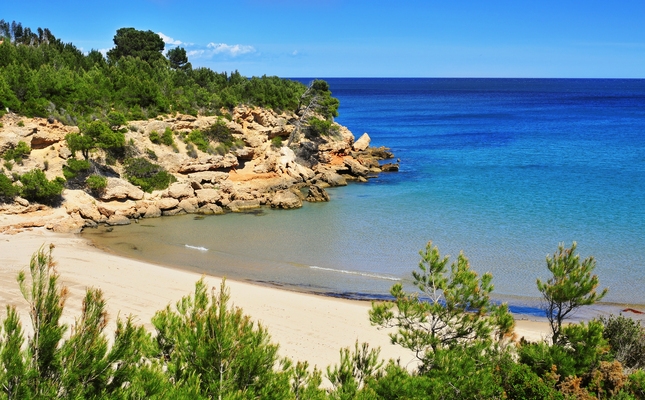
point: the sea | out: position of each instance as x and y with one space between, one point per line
503 170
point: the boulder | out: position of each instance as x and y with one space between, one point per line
208 176
118 220
72 224
180 190
317 194
189 205
286 199
172 212
362 143
356 168
167 203
242 205
208 196
390 167
152 212
209 209
332 178
118 189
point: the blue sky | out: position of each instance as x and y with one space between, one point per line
344 38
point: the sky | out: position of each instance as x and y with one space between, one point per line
356 38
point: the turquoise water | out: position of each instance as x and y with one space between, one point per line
503 169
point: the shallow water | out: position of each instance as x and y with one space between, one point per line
501 169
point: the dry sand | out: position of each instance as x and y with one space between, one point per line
308 327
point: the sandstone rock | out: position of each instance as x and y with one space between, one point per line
390 167
180 190
355 167
317 194
45 138
208 176
242 205
167 203
73 224
21 201
118 189
208 196
172 212
286 199
83 203
118 220
209 209
189 205
152 212
362 143
332 178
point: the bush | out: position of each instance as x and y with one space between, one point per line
96 182
626 338
20 151
151 154
21 124
36 187
74 167
167 137
198 138
276 142
320 127
147 175
7 189
154 137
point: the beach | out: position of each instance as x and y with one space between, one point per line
307 327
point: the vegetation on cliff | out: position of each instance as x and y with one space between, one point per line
203 348
42 76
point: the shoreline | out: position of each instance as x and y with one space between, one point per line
308 327
522 307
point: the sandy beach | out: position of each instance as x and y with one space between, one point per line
307 327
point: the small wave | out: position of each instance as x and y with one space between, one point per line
366 274
196 247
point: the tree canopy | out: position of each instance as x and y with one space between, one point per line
42 76
130 42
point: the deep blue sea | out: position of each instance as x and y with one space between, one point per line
501 169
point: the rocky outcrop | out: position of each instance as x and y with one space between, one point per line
317 194
119 189
253 172
286 199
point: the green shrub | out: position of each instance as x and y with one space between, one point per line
198 138
1 125
20 151
74 167
7 189
626 338
96 182
154 137
276 142
321 127
21 124
218 132
149 176
151 154
167 137
8 165
36 187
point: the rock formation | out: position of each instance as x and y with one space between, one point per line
255 172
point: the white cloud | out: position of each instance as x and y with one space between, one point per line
232 50
169 40
195 53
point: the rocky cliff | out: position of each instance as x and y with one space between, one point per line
258 171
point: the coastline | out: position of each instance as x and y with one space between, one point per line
307 327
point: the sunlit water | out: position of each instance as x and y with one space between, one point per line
501 169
